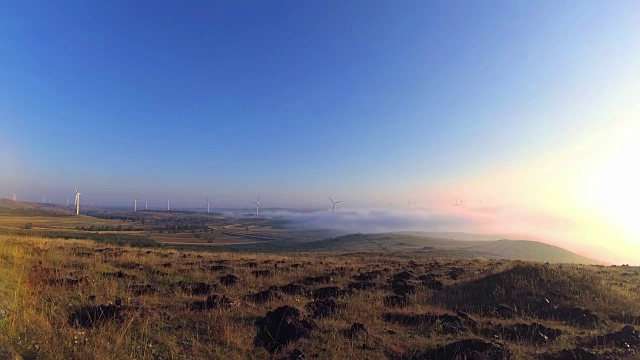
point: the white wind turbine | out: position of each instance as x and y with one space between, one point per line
208 203
146 207
15 198
135 204
77 202
258 206
333 208
168 205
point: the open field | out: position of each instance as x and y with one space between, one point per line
66 299
213 232
120 285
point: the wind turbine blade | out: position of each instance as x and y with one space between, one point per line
331 199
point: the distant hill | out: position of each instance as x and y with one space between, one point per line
15 205
461 236
532 251
443 247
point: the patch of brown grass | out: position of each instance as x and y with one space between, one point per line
43 282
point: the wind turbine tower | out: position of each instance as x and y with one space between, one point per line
208 203
77 204
14 197
168 205
145 205
135 204
333 208
258 206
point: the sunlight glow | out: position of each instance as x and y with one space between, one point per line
615 186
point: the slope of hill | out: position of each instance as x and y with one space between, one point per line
453 235
497 249
532 251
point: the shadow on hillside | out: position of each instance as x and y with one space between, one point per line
566 293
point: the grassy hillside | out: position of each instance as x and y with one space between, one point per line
437 247
211 232
76 299
531 251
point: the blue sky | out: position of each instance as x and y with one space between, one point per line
373 102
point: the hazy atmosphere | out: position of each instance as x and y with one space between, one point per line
515 119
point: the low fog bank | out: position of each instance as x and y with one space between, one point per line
497 222
380 220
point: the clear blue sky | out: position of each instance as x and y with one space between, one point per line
296 100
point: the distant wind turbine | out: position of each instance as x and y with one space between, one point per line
146 205
135 204
208 203
258 206
15 197
77 202
168 205
462 202
333 208
456 204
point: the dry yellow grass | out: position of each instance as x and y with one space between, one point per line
43 282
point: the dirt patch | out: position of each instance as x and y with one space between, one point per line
328 292
196 288
90 316
228 280
574 354
264 296
361 285
368 276
449 324
469 349
404 275
402 287
219 268
295 289
535 333
322 308
575 316
627 338
321 279
261 273
396 301
281 327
